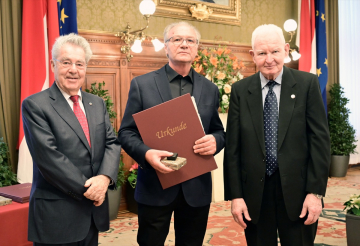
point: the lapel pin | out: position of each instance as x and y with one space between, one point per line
90 103
292 96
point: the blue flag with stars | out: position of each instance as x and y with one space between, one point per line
321 53
67 17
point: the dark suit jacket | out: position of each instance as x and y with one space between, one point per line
150 90
63 161
303 142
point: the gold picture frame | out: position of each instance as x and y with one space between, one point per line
229 14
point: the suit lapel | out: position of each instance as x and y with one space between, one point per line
62 107
91 118
287 102
254 101
162 83
197 87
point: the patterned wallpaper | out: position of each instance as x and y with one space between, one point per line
113 15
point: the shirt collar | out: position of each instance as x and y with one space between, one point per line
264 80
172 74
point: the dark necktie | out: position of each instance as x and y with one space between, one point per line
271 118
81 117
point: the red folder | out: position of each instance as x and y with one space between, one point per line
18 193
174 126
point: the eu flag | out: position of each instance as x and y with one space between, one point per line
321 53
67 17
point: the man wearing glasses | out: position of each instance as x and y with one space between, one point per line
74 150
190 200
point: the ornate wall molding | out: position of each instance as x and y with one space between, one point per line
146 64
104 41
104 63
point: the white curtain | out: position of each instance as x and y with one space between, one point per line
349 60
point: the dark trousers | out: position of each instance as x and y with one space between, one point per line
91 239
274 220
189 222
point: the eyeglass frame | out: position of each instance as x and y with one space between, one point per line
71 64
183 39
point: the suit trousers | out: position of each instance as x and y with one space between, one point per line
274 220
91 239
189 223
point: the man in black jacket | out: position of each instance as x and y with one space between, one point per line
190 200
277 152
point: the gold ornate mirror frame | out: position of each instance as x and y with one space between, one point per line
203 11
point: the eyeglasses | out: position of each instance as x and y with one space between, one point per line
68 64
177 40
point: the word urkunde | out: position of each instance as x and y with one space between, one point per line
171 131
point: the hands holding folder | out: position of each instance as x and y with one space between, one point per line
203 146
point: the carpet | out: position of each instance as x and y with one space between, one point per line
222 230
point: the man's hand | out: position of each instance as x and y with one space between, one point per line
98 186
205 145
154 156
238 208
313 205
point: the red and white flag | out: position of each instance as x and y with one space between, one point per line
40 28
306 38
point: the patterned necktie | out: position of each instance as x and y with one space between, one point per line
271 118
81 117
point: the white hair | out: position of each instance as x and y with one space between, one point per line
266 30
74 39
181 23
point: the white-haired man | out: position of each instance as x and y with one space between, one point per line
74 150
190 200
277 152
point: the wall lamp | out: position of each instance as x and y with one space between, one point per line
133 39
290 27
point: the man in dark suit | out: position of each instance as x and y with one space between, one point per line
75 153
277 152
190 200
